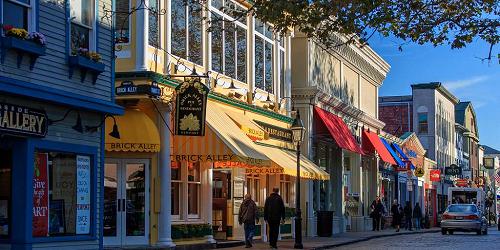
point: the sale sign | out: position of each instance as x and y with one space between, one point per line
40 196
82 194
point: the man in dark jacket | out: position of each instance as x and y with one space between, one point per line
417 216
408 214
248 216
274 212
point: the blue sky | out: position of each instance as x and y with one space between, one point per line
462 72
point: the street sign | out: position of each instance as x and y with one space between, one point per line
409 185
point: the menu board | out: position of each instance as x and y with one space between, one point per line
82 194
40 219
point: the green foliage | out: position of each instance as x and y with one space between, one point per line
289 212
456 23
186 231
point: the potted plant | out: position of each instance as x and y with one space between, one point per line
87 61
23 42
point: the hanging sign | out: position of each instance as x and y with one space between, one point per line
461 183
419 172
190 108
409 185
40 219
22 121
82 194
453 170
129 88
435 175
275 132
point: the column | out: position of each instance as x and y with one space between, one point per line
165 218
209 199
168 36
142 37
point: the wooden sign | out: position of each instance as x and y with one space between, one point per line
190 108
275 132
22 121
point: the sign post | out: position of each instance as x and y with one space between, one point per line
190 107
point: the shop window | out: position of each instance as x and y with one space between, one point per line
285 188
194 186
61 194
176 189
122 21
154 26
82 24
5 192
253 187
187 31
18 13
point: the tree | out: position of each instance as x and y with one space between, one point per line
456 23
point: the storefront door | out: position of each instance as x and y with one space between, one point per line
221 179
126 202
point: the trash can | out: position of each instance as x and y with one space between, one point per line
324 224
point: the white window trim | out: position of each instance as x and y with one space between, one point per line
274 59
177 217
129 25
31 13
93 28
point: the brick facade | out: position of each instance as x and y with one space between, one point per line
397 118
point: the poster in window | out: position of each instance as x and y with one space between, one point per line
239 185
82 194
64 187
40 219
57 224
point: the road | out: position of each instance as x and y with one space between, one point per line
457 241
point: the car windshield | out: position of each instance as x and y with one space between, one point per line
462 209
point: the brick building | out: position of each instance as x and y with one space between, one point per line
397 113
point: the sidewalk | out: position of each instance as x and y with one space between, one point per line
338 239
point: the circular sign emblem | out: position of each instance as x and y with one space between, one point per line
419 172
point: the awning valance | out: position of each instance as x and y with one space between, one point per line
223 142
287 160
338 130
138 133
398 160
371 142
249 127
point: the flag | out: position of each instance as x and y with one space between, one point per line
497 177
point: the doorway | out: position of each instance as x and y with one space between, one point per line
126 202
221 194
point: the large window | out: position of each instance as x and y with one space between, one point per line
229 39
285 188
82 24
194 185
264 55
186 190
187 31
154 25
18 13
5 192
253 187
122 21
176 185
423 123
61 194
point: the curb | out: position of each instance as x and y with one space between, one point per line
374 237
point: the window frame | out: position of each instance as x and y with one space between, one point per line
286 181
92 29
273 43
42 145
177 217
251 180
198 186
421 124
186 37
129 24
32 7
158 5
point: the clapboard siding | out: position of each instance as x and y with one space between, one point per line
52 69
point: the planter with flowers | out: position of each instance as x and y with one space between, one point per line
24 43
87 61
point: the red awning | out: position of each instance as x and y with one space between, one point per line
338 130
372 142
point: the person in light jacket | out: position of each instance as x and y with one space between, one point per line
248 217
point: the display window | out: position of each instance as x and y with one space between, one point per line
5 192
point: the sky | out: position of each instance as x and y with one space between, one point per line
461 71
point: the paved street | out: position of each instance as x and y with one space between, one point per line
432 241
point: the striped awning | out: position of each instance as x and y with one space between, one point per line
223 142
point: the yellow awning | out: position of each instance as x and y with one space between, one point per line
287 160
223 142
138 133
249 127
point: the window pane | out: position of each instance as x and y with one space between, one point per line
230 50
179 28
62 189
217 42
217 4
193 198
268 31
153 39
241 53
81 11
195 48
5 191
259 26
136 203
194 171
176 170
122 21
269 67
259 62
15 15
282 73
176 198
79 37
110 199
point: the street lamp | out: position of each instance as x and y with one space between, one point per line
298 133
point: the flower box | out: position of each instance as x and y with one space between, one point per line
22 47
85 65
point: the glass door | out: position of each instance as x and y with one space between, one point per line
126 202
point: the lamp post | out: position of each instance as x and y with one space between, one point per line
298 133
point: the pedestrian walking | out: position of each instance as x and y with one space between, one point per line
396 215
248 217
417 216
376 213
408 214
274 213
